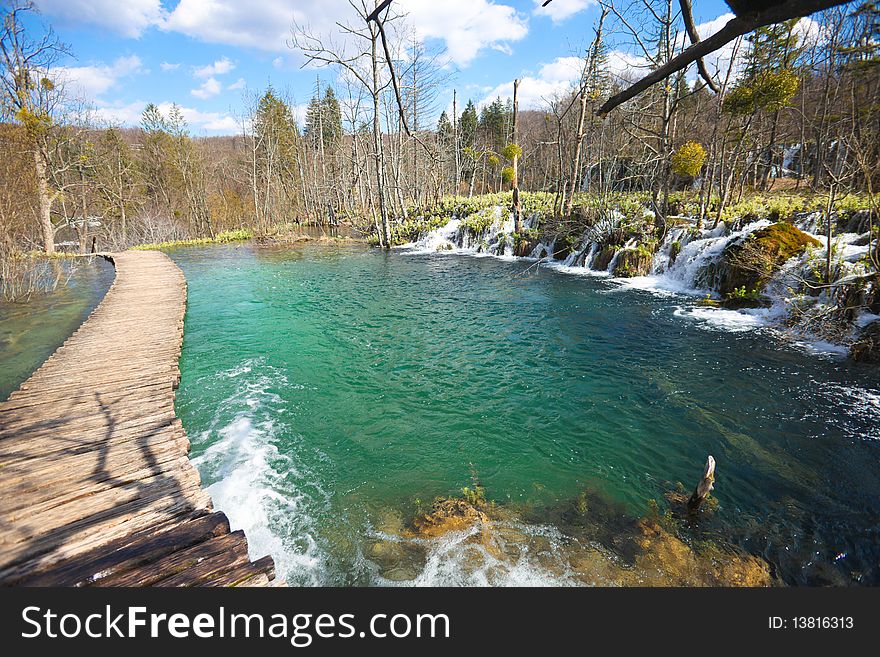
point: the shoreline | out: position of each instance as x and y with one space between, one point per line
100 490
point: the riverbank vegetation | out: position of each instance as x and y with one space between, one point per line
784 123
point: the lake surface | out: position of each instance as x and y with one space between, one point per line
31 331
330 392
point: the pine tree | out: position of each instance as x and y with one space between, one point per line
314 119
494 121
332 119
444 129
467 127
323 120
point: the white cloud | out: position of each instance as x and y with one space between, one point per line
89 82
466 26
299 114
119 113
210 88
130 115
553 79
264 25
561 76
129 18
561 10
220 67
238 84
209 121
165 66
625 66
562 69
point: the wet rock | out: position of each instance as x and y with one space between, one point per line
604 257
863 240
751 262
448 515
633 262
738 303
674 250
866 348
562 247
666 560
523 246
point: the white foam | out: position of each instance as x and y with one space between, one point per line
823 348
254 483
866 318
461 559
724 319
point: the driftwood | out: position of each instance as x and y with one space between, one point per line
707 483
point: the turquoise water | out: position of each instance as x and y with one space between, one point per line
31 331
327 389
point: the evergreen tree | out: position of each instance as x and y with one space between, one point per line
494 120
467 127
313 121
332 119
444 129
323 120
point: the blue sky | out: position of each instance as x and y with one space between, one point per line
205 54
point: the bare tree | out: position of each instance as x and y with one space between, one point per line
33 98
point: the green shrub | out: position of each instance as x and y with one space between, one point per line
688 160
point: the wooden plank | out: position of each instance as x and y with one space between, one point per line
131 552
95 486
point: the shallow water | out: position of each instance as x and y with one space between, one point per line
330 391
30 331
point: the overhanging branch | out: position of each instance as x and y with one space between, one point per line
735 27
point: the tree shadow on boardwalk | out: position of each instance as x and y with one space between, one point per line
95 486
154 486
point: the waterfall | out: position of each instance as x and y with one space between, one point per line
689 261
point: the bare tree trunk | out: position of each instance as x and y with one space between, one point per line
45 201
517 215
378 156
456 145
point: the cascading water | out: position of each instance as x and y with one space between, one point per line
693 271
333 392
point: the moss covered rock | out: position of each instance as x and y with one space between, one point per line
866 349
633 262
604 257
666 560
750 263
523 245
448 515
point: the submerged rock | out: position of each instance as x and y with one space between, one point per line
750 263
448 515
599 544
866 348
666 560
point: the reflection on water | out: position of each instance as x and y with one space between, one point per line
328 388
319 232
31 331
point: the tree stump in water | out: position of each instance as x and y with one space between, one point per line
707 483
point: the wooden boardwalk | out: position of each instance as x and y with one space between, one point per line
95 485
